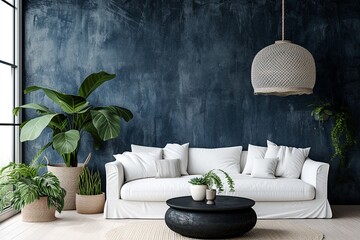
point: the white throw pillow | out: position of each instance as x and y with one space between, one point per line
202 160
291 159
157 152
137 165
168 168
264 167
253 153
173 151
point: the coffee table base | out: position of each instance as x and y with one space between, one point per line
198 224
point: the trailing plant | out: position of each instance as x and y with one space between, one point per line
211 179
21 184
342 136
77 116
89 182
342 132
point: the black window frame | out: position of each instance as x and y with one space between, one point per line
16 68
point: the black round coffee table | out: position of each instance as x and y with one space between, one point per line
228 217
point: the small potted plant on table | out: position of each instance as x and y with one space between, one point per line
90 199
197 188
36 195
206 186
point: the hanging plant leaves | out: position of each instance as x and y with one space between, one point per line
342 132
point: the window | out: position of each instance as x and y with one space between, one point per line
10 79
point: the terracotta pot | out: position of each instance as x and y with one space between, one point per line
38 211
210 196
198 192
68 177
90 204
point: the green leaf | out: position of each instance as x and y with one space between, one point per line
68 103
34 161
59 122
66 142
92 82
89 182
20 185
33 128
106 123
90 128
124 113
39 108
328 112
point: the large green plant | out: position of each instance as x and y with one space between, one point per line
77 116
21 184
89 182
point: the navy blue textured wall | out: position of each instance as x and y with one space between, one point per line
183 68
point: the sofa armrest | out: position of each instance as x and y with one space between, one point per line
114 179
316 174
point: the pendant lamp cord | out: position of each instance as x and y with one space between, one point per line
283 20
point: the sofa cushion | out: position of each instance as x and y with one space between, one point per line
202 160
264 167
158 152
291 159
258 189
254 152
137 165
168 168
156 189
177 151
277 189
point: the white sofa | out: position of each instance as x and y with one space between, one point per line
305 197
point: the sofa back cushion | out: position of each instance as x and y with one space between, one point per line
177 151
202 160
254 152
170 151
137 165
243 159
291 159
158 152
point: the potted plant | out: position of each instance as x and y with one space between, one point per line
36 195
77 116
213 180
197 188
90 199
206 185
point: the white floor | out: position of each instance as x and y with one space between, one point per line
73 226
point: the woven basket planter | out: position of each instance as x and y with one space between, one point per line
90 204
68 177
38 211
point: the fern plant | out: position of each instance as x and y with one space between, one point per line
211 179
89 182
21 184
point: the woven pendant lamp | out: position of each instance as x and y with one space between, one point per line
283 68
